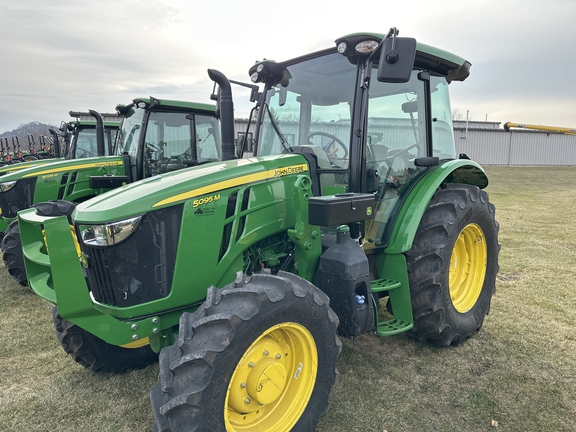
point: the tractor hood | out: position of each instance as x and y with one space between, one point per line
7 169
174 188
55 167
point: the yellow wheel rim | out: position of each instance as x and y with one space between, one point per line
468 268
273 381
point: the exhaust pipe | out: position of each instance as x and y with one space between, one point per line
56 142
225 106
99 133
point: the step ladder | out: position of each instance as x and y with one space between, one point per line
399 297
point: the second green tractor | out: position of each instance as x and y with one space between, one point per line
155 136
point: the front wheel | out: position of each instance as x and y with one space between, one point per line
258 355
97 355
452 265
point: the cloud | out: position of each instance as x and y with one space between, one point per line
60 55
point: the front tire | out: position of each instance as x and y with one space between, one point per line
96 355
258 355
453 264
12 245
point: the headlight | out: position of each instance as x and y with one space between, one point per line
6 186
109 234
366 47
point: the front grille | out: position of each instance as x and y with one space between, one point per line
140 269
18 198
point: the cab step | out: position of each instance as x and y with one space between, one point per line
393 327
397 294
380 285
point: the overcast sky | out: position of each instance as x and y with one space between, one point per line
57 56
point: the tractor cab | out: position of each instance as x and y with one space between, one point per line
163 136
369 126
80 138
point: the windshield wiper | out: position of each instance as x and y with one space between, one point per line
283 140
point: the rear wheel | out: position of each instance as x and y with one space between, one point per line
93 353
12 246
258 355
452 265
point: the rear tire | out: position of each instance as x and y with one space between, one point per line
258 355
12 245
96 355
452 265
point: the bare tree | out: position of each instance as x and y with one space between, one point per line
458 115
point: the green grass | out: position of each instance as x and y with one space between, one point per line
518 371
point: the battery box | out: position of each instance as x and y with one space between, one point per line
340 209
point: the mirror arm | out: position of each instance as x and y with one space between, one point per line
392 54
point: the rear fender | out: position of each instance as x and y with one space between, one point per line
406 223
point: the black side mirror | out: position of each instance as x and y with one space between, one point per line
396 60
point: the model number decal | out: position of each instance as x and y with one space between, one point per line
48 176
205 200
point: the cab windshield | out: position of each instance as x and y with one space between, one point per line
83 143
129 133
319 100
312 109
168 139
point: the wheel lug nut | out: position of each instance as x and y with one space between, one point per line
278 356
251 364
247 401
266 353
243 385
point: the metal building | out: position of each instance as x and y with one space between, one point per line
489 144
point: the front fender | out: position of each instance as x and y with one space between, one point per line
406 223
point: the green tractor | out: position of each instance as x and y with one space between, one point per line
80 136
355 216
70 141
76 135
155 137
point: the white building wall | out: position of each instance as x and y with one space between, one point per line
516 148
487 144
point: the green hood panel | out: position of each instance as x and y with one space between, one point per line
57 166
202 183
8 169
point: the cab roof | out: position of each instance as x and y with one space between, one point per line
168 103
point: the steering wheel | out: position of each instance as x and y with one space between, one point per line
176 160
393 154
327 148
403 165
85 153
152 147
